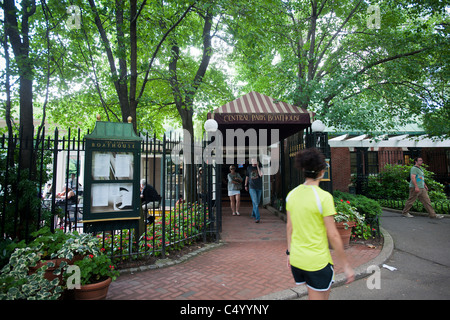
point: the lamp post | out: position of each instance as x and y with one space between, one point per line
317 126
318 138
211 126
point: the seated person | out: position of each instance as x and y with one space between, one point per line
47 193
67 194
180 200
150 198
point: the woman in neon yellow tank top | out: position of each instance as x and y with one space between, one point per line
310 225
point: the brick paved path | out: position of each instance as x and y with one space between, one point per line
251 263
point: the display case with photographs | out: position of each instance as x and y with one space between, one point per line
112 166
112 181
111 175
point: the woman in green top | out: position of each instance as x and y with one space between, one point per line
310 225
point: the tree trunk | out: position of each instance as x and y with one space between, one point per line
21 46
133 60
20 43
10 154
26 122
190 184
185 102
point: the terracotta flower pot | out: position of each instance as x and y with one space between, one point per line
93 291
48 274
345 231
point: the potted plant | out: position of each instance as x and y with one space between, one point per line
47 244
96 274
59 249
346 218
78 245
16 283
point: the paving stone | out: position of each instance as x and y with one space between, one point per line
250 262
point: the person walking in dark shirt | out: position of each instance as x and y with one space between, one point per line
253 184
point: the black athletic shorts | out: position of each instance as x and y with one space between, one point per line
320 280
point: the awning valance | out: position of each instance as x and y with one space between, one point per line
395 141
258 111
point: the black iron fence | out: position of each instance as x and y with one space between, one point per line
34 194
365 163
440 206
369 176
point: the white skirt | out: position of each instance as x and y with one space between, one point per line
233 192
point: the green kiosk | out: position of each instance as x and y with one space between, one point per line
111 177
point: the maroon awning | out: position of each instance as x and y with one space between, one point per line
258 111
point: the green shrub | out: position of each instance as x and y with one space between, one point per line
392 183
369 208
17 283
391 189
183 225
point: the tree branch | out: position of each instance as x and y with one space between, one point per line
381 61
159 46
206 57
136 15
173 79
133 57
95 80
312 40
105 40
335 35
398 56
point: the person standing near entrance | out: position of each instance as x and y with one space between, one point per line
310 225
234 190
418 189
253 184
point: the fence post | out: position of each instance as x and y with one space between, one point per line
218 201
41 173
55 168
163 200
319 140
9 154
77 191
19 168
66 183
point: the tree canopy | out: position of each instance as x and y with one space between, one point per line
327 57
356 65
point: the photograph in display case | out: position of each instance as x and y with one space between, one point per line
112 165
108 197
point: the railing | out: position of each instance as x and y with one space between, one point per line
436 161
29 196
441 207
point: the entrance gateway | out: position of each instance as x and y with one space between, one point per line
270 119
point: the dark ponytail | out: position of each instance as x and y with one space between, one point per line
312 161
